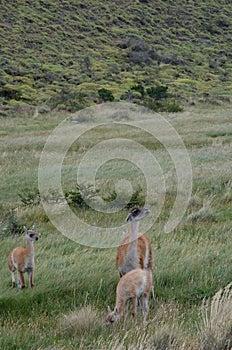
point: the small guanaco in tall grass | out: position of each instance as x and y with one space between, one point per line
136 286
22 259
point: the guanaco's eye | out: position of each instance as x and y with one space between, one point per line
135 211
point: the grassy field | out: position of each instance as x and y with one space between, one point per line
75 283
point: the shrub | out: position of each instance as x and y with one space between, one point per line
9 222
69 100
105 95
80 196
158 92
10 92
139 52
139 88
131 96
159 106
171 108
137 198
152 104
30 198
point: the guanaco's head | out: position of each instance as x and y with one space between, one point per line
112 316
30 234
137 214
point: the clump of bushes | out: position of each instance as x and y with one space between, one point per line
105 95
9 223
30 197
69 100
137 198
156 98
80 196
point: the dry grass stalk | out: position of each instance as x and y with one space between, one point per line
84 320
217 319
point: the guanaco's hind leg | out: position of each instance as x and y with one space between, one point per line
12 270
152 292
13 279
21 280
144 307
152 286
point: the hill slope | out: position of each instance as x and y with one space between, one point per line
53 49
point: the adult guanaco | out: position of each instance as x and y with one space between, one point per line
22 259
135 286
135 249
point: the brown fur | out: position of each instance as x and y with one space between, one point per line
135 286
22 259
125 245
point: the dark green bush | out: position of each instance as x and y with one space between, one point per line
105 95
139 88
80 196
9 223
137 198
29 197
69 100
10 93
158 92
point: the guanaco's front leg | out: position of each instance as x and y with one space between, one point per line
134 307
30 277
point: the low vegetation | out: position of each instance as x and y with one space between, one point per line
59 56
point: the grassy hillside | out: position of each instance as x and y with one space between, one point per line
57 55
74 283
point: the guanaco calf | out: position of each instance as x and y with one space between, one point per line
22 259
135 285
135 250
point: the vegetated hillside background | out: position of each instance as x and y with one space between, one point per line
59 54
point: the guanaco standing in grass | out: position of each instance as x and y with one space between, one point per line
22 259
135 286
135 250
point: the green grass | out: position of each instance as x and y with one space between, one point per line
191 263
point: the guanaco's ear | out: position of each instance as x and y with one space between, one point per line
25 229
108 308
116 310
33 227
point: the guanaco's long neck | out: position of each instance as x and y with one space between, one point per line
134 235
30 249
134 230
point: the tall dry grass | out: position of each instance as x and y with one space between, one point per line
216 332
